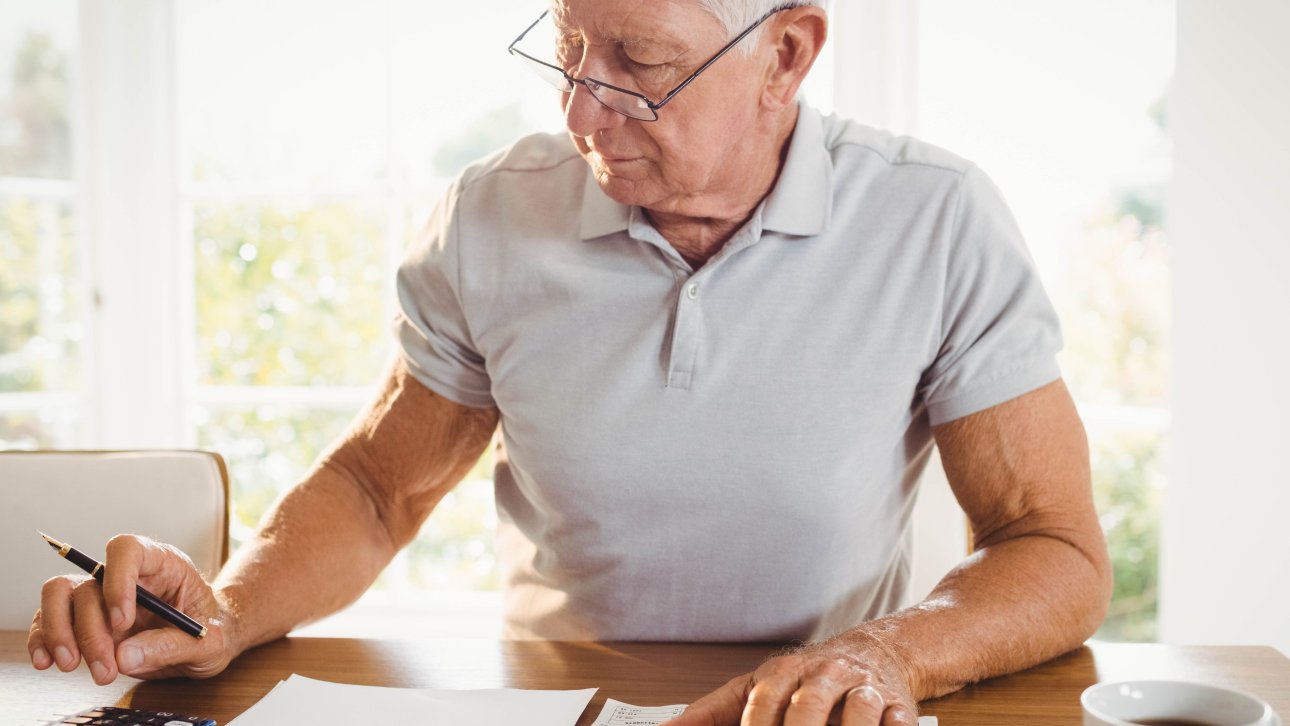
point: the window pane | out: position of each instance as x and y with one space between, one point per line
1065 110
290 294
454 549
35 68
458 94
1063 106
51 427
267 448
270 447
1128 481
292 91
40 328
1114 299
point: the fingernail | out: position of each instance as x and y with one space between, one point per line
130 658
118 617
99 671
40 658
63 656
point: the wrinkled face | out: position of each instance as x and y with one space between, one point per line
692 150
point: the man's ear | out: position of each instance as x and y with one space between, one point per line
796 37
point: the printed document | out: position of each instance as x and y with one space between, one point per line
320 703
617 713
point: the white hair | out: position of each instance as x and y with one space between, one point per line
735 15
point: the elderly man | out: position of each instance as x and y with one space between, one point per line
719 332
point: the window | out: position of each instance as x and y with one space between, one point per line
294 146
42 306
307 161
1064 106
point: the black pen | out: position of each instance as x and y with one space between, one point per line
158 606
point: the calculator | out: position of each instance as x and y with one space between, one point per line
114 716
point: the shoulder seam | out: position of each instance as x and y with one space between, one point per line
954 226
876 152
467 183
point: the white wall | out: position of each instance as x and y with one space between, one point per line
1225 565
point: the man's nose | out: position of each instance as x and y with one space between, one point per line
584 115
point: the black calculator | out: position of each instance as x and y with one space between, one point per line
131 717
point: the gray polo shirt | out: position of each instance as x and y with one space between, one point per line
731 453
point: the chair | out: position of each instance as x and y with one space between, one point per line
84 498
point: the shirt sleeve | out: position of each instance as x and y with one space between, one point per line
431 325
999 332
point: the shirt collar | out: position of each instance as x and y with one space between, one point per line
800 203
601 215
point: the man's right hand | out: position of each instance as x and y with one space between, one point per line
103 625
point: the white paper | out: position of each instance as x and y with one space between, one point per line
617 713
320 703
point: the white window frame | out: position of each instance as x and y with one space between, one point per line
127 215
134 205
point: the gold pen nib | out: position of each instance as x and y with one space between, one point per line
60 546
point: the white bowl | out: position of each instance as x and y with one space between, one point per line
1123 703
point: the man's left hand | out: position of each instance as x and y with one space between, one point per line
837 682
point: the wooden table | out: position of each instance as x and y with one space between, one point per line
639 673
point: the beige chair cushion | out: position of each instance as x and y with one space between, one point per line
84 498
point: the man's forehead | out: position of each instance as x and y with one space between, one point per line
666 23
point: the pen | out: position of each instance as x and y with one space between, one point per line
162 609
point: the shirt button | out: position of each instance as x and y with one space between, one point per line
692 291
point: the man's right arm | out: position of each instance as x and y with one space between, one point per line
328 538
320 546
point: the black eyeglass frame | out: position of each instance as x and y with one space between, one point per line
653 107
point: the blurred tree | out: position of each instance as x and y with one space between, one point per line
486 134
268 448
1114 304
19 299
35 138
39 326
1128 477
290 294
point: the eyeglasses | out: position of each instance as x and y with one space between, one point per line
629 103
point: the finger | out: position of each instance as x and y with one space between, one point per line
56 621
899 716
126 562
722 706
153 650
863 706
768 700
92 634
817 694
40 657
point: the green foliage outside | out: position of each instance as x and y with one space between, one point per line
1115 311
38 301
39 327
267 449
1128 475
270 447
290 294
35 137
25 431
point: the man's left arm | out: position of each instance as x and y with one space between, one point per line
1037 585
